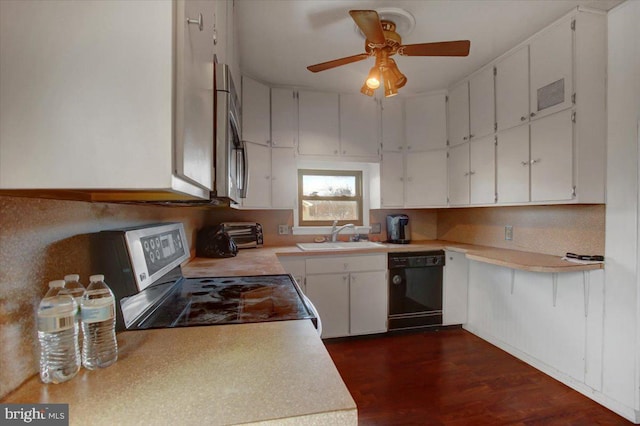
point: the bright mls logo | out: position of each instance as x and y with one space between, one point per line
34 414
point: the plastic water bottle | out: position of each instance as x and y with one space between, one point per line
58 335
75 289
99 348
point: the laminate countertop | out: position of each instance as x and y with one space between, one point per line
264 260
264 373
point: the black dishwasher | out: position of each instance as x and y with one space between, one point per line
415 289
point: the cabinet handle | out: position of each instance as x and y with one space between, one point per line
523 118
470 136
533 114
335 151
472 173
524 163
464 138
199 22
466 174
215 37
267 177
346 266
401 179
535 161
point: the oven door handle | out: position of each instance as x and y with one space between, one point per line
315 312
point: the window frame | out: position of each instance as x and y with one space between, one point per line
358 198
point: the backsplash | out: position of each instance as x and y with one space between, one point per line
544 229
42 240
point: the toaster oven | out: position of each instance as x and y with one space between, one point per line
244 234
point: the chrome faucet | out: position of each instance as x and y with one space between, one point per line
335 231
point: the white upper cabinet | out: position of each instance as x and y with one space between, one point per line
392 179
552 158
512 153
481 104
109 113
359 125
426 122
459 114
392 124
512 89
318 123
552 69
426 181
482 171
259 185
459 175
256 105
284 118
283 178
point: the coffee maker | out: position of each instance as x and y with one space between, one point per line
398 230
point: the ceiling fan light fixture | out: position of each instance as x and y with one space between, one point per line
390 88
366 90
373 80
400 79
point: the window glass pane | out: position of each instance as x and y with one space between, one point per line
329 186
313 210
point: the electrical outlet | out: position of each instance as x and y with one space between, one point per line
283 229
376 228
508 232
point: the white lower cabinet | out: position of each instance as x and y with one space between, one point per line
455 288
349 292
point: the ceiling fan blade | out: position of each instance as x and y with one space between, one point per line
337 62
443 48
369 23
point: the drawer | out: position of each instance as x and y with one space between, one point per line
294 266
337 264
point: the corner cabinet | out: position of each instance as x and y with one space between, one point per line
350 293
89 127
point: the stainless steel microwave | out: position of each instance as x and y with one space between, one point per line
231 162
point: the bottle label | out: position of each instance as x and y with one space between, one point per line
91 314
51 324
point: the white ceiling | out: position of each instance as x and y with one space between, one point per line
280 38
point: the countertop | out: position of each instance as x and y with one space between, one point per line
263 260
266 373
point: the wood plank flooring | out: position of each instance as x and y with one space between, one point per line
451 377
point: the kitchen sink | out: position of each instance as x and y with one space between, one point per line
352 245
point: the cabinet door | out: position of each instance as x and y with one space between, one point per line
512 158
426 182
284 178
512 89
392 179
359 123
259 187
482 171
194 95
330 295
481 104
459 114
459 175
392 124
318 123
256 105
426 122
551 69
295 267
220 35
552 158
368 302
284 124
456 286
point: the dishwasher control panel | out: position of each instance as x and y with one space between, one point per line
419 259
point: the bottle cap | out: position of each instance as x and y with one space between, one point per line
96 278
56 283
72 277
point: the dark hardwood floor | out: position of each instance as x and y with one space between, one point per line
451 377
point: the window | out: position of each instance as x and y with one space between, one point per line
328 195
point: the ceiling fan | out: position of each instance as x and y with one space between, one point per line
382 42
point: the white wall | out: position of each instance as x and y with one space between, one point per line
621 326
